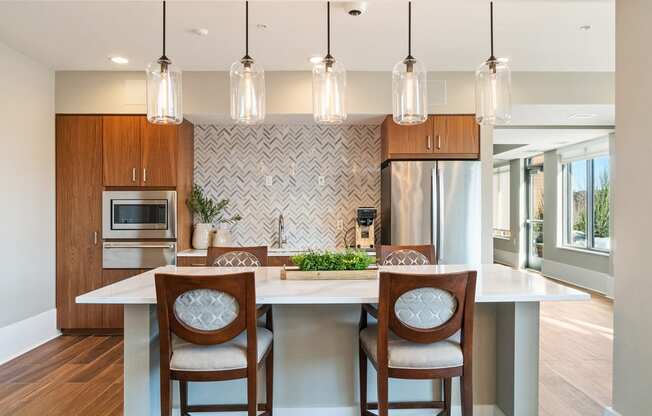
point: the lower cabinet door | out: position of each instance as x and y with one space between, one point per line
113 315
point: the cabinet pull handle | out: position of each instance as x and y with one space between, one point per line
438 142
429 144
133 174
144 175
95 238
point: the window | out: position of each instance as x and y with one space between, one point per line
586 202
501 202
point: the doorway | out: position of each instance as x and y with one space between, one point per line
535 209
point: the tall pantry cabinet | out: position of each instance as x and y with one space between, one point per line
98 152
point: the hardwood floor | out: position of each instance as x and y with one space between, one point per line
575 371
76 375
70 375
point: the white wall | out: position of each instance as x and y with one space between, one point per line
27 211
632 201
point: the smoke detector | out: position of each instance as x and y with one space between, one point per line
355 8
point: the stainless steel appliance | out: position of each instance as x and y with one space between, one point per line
138 255
139 214
433 202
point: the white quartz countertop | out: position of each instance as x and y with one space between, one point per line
271 252
495 283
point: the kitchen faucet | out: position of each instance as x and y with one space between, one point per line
281 232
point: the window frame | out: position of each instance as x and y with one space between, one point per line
504 234
590 211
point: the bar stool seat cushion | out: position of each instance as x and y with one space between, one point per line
412 355
227 356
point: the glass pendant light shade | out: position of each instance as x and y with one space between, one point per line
164 93
493 93
329 92
247 85
247 92
409 92
493 86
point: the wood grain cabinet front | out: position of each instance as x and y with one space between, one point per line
439 137
78 223
159 155
121 144
113 315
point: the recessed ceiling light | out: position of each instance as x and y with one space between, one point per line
585 27
581 116
199 31
121 60
316 59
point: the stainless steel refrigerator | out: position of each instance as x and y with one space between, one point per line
433 202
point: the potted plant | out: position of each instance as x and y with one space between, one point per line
207 212
328 265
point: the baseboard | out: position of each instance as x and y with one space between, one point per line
609 411
478 410
506 258
25 335
578 276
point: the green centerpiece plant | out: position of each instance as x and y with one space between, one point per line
333 260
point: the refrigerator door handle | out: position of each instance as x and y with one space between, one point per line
434 214
440 214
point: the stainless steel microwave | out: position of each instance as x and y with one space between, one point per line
139 214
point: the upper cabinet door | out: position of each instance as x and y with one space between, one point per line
121 150
456 136
159 155
405 140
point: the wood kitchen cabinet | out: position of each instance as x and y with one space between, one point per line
98 152
139 154
113 315
121 150
440 137
78 222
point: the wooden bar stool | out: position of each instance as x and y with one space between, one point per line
237 256
407 255
425 332
208 332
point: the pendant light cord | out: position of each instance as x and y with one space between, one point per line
164 27
410 29
491 19
247 28
328 28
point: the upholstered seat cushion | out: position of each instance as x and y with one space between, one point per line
227 356
411 355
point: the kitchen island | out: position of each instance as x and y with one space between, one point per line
316 341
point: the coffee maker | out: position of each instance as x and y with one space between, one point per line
364 228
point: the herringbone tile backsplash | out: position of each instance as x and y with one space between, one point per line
319 176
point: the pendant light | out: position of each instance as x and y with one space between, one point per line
409 86
493 87
247 85
329 85
164 89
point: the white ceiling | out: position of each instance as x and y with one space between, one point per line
536 35
539 140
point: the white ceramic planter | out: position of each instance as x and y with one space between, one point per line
201 236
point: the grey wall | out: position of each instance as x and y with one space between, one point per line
319 176
515 214
589 270
632 198
27 182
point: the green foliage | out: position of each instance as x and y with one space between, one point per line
601 207
580 221
329 260
209 211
